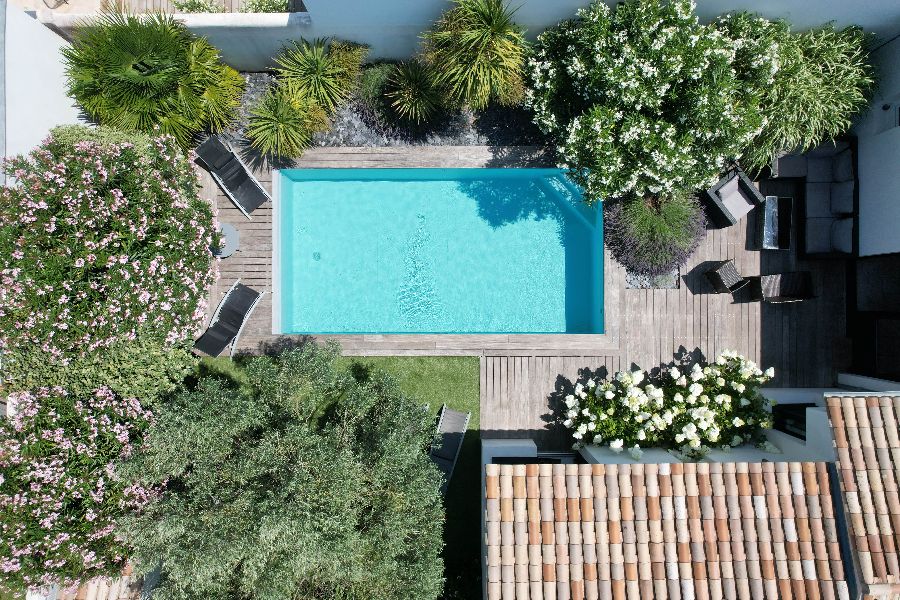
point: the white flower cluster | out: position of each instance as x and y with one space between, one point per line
694 409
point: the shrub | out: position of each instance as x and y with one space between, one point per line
283 123
148 72
412 93
373 83
198 6
102 242
716 406
324 72
60 491
810 84
477 52
301 483
652 237
143 369
266 6
642 100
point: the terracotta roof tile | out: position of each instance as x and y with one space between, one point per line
686 531
865 431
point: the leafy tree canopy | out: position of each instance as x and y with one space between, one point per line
302 482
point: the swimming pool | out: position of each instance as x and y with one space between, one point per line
434 251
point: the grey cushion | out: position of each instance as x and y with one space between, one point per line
818 235
842 197
818 200
842 167
730 188
818 169
842 235
734 199
792 165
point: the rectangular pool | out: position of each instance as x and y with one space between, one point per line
434 251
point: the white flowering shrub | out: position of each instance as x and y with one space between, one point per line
643 100
691 409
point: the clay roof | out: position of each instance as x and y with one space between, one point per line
683 531
126 587
866 438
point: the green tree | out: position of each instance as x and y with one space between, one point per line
301 482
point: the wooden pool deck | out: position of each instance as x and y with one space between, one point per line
805 342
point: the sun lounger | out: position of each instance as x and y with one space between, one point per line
451 427
232 175
228 321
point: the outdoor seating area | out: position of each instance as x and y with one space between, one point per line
733 197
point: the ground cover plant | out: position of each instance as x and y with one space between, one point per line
102 241
148 73
298 481
692 408
652 237
477 53
641 99
60 491
809 84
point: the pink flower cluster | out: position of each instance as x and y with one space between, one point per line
60 491
102 242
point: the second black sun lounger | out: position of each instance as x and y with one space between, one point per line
232 175
231 315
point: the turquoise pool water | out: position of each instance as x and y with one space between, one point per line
435 251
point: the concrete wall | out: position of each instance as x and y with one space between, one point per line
879 160
392 27
34 92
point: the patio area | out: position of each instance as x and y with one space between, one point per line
805 342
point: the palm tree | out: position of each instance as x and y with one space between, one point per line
137 74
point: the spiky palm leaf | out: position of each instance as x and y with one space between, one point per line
478 52
412 92
138 73
324 72
284 121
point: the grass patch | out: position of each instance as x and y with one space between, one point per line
433 380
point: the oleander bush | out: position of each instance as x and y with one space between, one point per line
412 93
60 489
477 53
148 73
810 85
652 236
198 6
143 369
324 71
300 482
692 409
100 243
284 121
641 99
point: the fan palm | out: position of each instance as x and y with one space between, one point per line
324 72
137 74
478 52
282 124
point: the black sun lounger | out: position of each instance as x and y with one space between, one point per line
231 315
232 175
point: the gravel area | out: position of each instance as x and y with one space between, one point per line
667 281
353 126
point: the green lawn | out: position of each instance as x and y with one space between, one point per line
436 380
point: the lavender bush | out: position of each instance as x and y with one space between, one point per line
60 493
102 241
651 237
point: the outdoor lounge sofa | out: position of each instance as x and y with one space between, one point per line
228 321
232 175
733 197
452 425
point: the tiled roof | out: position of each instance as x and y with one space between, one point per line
126 587
682 531
866 438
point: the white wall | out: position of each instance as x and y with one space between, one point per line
879 160
392 27
35 89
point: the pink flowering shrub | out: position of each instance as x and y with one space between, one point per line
102 241
60 493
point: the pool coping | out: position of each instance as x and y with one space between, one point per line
276 251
